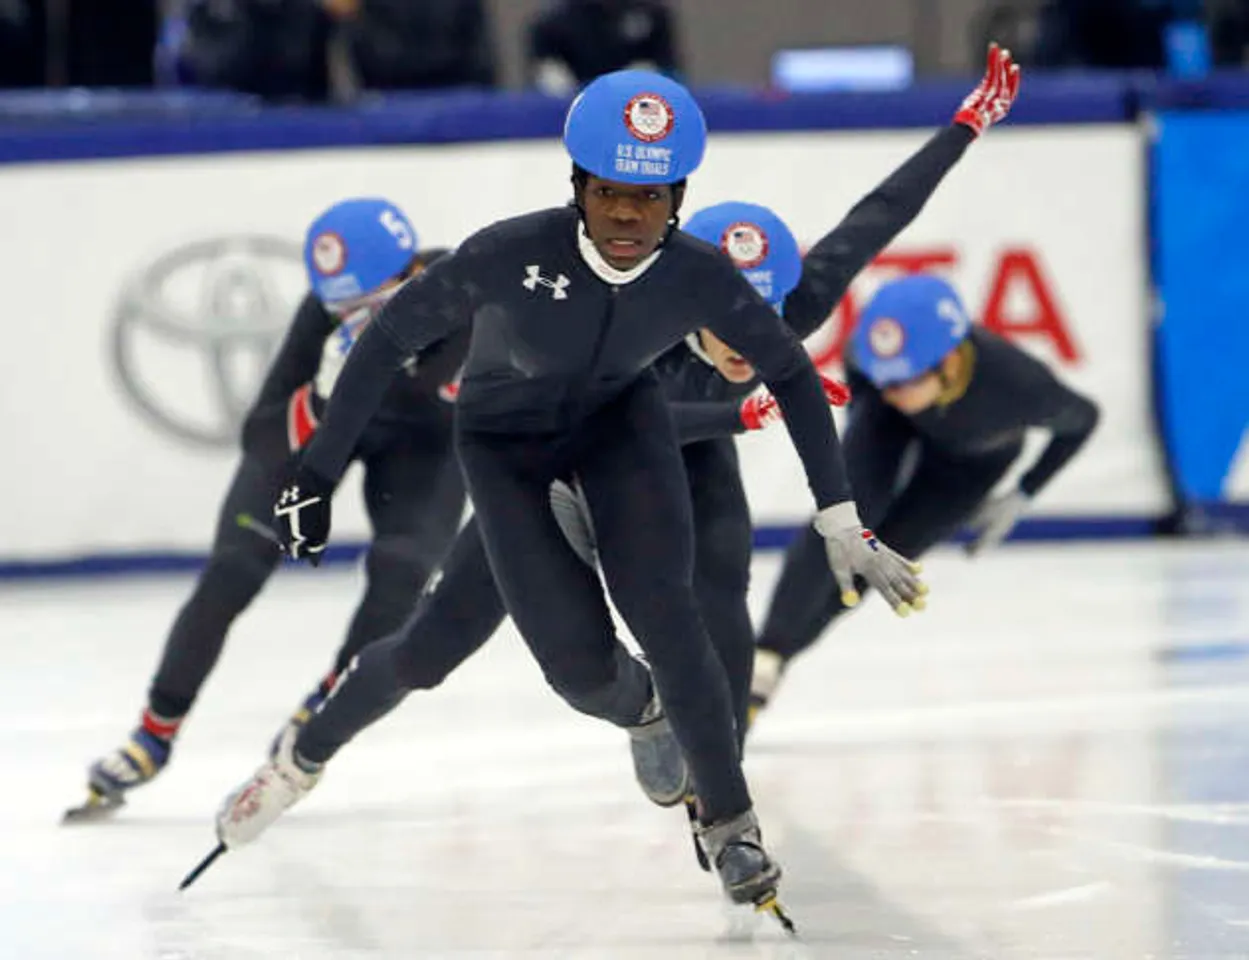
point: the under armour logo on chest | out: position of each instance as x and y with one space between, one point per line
534 279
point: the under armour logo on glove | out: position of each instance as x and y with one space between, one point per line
534 279
303 516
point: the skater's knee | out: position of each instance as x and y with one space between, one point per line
234 574
400 559
613 689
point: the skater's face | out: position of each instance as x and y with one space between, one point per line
360 310
915 395
729 363
626 222
919 393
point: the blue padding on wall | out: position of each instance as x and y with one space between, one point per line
33 129
766 538
1200 208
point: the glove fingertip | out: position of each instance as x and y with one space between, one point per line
903 610
919 603
850 598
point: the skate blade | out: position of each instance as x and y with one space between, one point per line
769 904
98 806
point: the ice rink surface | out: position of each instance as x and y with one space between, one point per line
1053 762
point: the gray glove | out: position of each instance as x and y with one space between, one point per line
572 513
855 551
995 519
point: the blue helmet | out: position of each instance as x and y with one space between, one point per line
634 126
356 246
757 241
906 329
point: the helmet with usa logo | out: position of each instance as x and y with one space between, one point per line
636 126
356 246
757 241
907 328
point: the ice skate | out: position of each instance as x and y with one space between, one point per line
109 779
658 762
310 705
279 783
769 665
735 848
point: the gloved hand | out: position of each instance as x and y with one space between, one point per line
301 419
450 392
854 551
761 410
992 100
572 514
995 519
302 513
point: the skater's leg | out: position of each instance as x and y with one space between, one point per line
639 500
242 559
939 498
459 611
414 496
722 552
638 494
556 601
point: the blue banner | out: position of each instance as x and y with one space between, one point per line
1201 269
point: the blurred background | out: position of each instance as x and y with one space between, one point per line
317 48
1050 762
1101 226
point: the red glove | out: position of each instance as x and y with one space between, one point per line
761 410
450 392
835 392
301 421
992 100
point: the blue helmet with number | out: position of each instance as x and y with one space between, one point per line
907 328
356 246
635 126
757 241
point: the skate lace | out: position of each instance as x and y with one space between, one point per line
128 765
119 766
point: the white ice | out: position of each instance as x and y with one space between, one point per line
1052 763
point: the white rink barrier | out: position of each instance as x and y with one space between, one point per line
148 293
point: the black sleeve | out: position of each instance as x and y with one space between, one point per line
706 420
754 330
299 356
869 227
876 438
429 308
1069 416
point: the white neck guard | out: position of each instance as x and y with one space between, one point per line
604 270
695 343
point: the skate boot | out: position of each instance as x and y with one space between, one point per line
748 874
769 665
278 784
310 705
658 762
136 762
